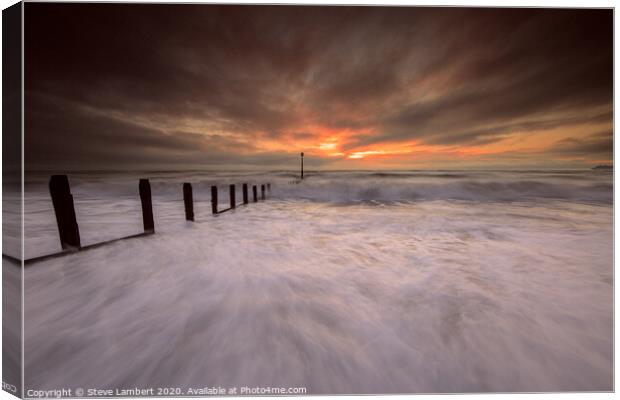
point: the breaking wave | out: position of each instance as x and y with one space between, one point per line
361 186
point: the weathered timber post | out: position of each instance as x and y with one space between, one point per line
147 206
245 193
254 193
188 199
302 165
262 192
232 196
214 199
65 212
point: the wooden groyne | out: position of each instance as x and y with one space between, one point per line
69 232
232 197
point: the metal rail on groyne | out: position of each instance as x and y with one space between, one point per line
69 232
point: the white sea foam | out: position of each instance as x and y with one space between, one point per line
349 282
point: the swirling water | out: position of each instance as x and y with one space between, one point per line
349 282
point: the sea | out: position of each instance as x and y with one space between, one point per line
348 282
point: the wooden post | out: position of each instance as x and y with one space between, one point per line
269 187
232 196
147 206
214 199
302 165
65 212
262 192
245 193
188 199
254 193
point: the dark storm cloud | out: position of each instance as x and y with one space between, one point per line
554 61
87 138
599 144
112 84
470 134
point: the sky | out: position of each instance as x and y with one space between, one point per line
120 86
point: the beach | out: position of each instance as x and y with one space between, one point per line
350 282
